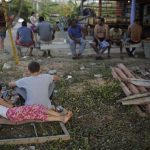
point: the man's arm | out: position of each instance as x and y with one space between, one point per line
55 78
129 30
73 38
5 103
107 32
95 32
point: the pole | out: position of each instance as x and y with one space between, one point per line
100 8
4 6
133 10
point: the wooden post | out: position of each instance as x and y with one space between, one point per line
100 8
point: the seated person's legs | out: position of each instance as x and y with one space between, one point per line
26 45
73 48
119 43
82 46
22 95
131 52
94 45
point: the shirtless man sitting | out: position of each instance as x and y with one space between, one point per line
134 32
101 33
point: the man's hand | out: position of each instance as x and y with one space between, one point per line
77 41
12 84
56 78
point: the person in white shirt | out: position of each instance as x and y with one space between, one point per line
36 88
33 22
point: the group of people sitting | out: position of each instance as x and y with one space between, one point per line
102 40
27 36
36 90
103 37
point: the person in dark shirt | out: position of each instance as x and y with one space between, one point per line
76 37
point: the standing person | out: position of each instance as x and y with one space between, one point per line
33 21
101 36
36 88
75 32
24 38
116 37
2 29
45 32
135 33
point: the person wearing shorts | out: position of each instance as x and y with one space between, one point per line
31 112
101 33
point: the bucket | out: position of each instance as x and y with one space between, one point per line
147 49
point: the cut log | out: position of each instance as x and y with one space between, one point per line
137 101
123 86
139 82
132 87
135 96
128 73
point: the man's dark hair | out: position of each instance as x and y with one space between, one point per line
41 19
24 24
101 18
32 13
34 67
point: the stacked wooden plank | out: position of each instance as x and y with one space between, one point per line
134 92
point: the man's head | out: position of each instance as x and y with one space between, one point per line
33 13
73 22
34 67
24 24
41 18
116 28
101 21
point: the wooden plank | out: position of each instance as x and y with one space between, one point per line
64 129
38 140
139 82
124 87
34 140
132 87
128 73
137 101
8 122
135 96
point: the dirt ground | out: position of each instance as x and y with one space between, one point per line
88 89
